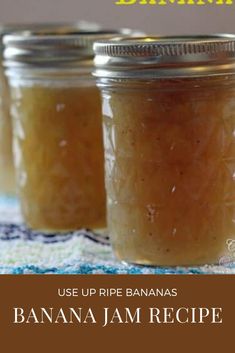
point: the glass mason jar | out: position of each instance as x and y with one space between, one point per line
169 135
7 171
58 144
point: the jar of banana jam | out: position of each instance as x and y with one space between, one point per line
57 123
7 171
169 135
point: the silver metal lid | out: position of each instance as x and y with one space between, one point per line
159 57
47 26
60 47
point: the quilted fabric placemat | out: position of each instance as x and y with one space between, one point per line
23 251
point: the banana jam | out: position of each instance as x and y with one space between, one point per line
59 156
169 148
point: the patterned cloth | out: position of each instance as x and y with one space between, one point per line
23 251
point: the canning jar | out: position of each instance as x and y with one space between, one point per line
58 144
7 171
169 135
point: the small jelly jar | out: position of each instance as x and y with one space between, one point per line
58 143
7 170
169 135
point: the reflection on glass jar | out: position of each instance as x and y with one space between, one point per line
170 156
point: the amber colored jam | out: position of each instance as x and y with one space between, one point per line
58 149
170 169
7 173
